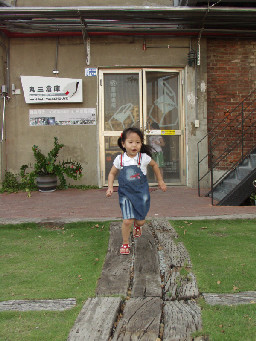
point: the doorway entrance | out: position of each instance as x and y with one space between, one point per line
151 100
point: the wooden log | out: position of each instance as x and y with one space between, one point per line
172 254
181 286
115 276
96 319
175 254
180 320
162 224
140 321
247 297
37 305
147 281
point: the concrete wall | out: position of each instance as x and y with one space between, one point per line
37 57
196 112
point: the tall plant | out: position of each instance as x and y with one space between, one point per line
49 165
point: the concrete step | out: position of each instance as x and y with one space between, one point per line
252 158
232 180
246 162
249 161
243 171
225 188
218 195
231 183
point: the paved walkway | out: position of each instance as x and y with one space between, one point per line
76 205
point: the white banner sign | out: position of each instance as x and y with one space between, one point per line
51 89
76 116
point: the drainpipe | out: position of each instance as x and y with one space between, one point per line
2 134
4 93
5 97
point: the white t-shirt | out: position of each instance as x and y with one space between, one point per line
130 161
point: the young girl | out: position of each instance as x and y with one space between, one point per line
133 190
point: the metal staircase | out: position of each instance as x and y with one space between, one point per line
230 162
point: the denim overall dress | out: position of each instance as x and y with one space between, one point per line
133 190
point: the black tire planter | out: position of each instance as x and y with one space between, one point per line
46 183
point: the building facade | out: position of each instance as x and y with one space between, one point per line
85 87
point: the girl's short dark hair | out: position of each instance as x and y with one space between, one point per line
144 148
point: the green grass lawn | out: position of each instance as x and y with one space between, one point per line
223 257
51 261
48 262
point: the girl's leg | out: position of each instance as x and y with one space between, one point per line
126 230
137 227
139 222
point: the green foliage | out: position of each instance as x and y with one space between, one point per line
253 198
223 257
84 187
222 253
226 323
253 194
11 183
49 165
48 261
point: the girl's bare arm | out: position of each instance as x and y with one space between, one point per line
111 178
158 175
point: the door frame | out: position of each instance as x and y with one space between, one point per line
181 131
141 71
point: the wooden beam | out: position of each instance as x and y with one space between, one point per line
115 276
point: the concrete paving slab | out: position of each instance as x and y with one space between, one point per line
38 305
247 297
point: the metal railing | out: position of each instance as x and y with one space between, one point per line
229 143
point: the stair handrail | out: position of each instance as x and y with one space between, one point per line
234 166
215 132
242 135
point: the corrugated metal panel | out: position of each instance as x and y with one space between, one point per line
130 20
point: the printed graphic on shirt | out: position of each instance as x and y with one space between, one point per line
132 174
137 176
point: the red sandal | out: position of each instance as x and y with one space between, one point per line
125 249
137 231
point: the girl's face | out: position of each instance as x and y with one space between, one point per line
132 144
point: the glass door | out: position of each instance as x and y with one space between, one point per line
163 122
120 108
151 100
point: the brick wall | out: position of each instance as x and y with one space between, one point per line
231 72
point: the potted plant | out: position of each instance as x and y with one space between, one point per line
47 169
